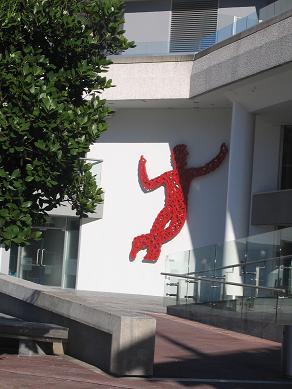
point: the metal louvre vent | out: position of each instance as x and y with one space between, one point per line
193 25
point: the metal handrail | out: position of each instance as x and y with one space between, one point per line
224 282
242 264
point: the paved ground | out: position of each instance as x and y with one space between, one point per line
188 354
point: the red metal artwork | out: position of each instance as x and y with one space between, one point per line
172 217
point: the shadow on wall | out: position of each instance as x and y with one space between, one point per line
142 352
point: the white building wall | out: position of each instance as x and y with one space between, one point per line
105 244
4 260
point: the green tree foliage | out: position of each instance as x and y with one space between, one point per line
52 55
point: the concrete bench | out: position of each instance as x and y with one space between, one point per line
102 331
34 338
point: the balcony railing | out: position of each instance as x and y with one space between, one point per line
258 270
239 25
65 210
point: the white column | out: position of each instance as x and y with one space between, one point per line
238 191
4 260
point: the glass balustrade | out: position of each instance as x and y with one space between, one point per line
239 25
249 277
96 168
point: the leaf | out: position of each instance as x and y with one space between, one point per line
15 173
11 231
51 55
26 204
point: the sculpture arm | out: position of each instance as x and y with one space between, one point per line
212 165
144 179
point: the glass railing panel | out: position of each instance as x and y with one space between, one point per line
265 267
263 246
240 25
206 42
252 20
170 48
176 289
260 309
96 168
205 263
284 274
218 291
274 9
275 273
160 48
192 291
225 33
234 252
205 259
264 273
284 310
286 259
148 48
267 12
282 6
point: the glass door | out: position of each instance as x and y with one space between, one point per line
29 262
42 260
51 257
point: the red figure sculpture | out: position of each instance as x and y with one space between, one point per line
172 217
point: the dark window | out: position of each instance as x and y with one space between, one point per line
193 25
286 178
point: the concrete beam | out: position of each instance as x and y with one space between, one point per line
263 48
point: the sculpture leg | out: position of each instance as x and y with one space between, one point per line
155 237
139 243
174 227
153 252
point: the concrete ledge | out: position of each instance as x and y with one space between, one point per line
259 51
148 80
123 59
245 33
119 341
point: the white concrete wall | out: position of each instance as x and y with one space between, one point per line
105 244
265 162
4 260
1 256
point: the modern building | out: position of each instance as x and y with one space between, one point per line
203 73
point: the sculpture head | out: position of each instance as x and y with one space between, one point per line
179 156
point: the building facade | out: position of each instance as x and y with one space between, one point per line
203 73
